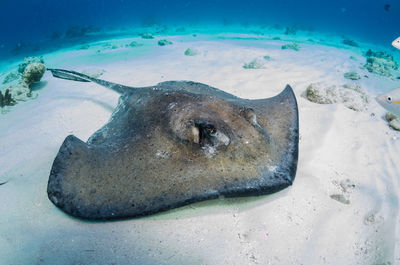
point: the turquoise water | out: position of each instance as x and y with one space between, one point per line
33 27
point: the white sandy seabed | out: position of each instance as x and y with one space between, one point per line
341 209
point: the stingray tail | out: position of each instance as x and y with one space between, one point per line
75 76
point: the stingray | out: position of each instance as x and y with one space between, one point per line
172 144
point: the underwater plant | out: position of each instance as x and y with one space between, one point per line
6 99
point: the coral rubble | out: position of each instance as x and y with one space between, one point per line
191 52
380 63
351 95
33 73
394 121
27 61
12 76
352 75
255 64
164 42
292 46
134 44
147 36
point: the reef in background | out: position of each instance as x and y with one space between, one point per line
380 63
20 82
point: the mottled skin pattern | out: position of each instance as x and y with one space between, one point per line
173 144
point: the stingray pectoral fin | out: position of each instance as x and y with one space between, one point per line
72 159
279 117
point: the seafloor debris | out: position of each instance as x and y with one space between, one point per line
350 42
134 44
20 91
394 120
352 75
147 36
380 63
257 63
293 46
345 188
340 198
75 32
191 52
352 96
267 57
84 47
291 30
164 42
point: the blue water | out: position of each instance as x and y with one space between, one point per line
30 25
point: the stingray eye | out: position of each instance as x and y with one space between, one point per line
389 99
207 134
203 132
210 129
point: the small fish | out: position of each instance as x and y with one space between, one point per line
387 7
396 43
390 101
